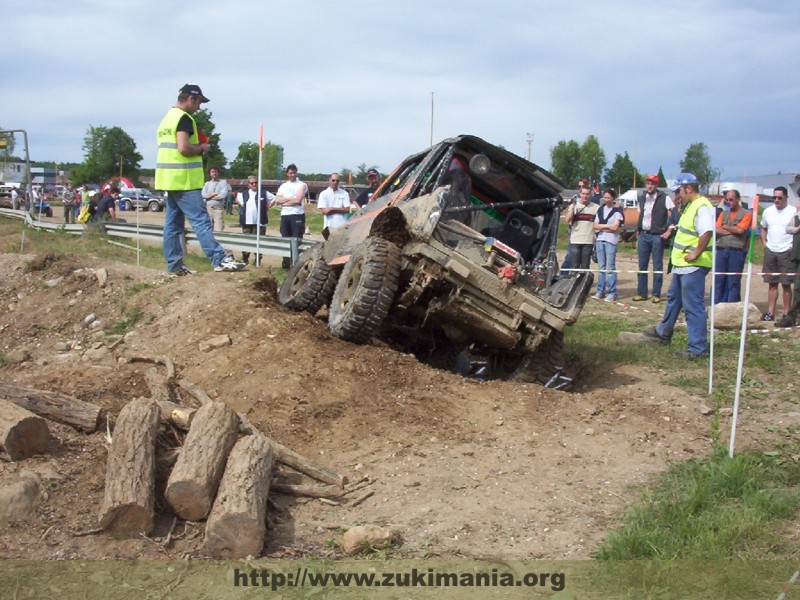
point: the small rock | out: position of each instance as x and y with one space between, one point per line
706 410
588 431
102 276
363 537
18 355
18 498
54 282
89 319
96 324
219 341
97 355
61 347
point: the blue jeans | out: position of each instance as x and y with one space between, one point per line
180 206
649 245
607 261
727 288
687 292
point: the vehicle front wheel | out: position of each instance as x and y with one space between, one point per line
49 212
126 205
309 283
532 366
154 207
365 291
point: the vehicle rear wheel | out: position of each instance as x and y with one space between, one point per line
536 366
309 283
49 212
365 291
154 206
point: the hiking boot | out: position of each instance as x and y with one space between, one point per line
182 272
654 335
229 264
639 298
786 321
656 299
686 355
769 317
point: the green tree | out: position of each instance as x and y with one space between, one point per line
592 159
7 144
623 174
246 161
108 152
215 155
565 160
662 181
698 162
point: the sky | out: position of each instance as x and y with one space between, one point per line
340 84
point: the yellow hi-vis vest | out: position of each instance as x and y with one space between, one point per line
687 238
174 171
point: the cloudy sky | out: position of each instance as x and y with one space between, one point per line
349 82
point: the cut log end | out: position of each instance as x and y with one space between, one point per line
22 434
127 521
232 537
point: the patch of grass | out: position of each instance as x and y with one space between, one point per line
713 508
131 318
138 287
3 359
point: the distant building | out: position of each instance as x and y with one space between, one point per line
763 185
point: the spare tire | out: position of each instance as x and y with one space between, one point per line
309 283
365 291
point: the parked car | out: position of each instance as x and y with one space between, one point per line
140 198
454 256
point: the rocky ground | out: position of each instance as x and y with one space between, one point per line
458 467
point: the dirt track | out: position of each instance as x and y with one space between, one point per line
459 467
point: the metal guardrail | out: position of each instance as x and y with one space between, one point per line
268 244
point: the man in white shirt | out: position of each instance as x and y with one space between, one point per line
291 198
250 214
335 204
777 251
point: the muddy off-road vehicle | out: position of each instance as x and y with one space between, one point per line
453 257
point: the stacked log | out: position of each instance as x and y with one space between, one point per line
127 508
238 521
194 480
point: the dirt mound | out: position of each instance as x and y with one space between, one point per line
480 469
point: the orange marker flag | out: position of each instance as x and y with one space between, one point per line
261 137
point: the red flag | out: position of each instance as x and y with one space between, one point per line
201 137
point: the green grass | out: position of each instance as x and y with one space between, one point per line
713 508
132 317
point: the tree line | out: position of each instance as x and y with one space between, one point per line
110 152
572 162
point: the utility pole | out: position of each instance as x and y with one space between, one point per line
431 143
529 138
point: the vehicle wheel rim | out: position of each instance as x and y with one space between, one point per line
351 285
302 276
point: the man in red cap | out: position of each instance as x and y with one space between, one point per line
654 210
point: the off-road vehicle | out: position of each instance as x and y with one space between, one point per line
454 256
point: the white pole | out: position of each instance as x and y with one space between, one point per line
743 333
138 237
713 304
258 197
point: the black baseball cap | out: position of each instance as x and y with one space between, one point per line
192 89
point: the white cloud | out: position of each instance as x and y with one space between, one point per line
339 84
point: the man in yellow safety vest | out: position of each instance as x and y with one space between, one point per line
692 260
179 172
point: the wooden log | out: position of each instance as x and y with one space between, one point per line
290 458
194 480
178 415
238 522
22 433
310 491
159 386
127 509
55 406
195 391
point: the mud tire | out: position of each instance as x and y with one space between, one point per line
365 291
537 366
309 283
